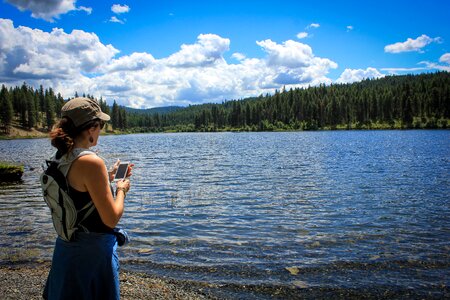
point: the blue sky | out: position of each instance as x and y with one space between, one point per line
157 53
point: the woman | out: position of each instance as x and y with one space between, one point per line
86 267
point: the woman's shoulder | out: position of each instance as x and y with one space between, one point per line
92 160
84 169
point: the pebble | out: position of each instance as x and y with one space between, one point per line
26 282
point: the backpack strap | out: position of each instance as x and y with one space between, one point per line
64 164
90 206
66 161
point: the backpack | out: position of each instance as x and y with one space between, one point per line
55 190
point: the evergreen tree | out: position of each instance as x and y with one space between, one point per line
115 115
31 110
49 106
6 113
22 99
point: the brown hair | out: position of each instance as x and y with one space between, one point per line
64 132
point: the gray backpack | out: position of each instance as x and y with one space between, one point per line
56 195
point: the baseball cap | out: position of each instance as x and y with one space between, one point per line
82 110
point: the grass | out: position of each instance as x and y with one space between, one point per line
10 172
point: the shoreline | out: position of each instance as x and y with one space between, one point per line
26 280
46 136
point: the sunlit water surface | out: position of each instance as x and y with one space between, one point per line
346 209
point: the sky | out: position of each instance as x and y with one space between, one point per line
145 53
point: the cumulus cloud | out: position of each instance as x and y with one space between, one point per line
302 35
349 28
353 75
133 62
32 53
291 54
120 9
47 10
445 58
196 73
411 44
208 50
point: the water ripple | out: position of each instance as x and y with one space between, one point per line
347 209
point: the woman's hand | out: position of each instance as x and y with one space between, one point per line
124 184
112 171
130 168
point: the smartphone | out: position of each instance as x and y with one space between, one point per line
122 171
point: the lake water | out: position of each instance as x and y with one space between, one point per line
342 209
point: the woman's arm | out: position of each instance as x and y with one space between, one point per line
96 180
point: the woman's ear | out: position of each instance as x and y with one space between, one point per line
91 130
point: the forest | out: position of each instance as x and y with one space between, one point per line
391 102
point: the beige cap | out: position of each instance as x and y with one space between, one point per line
82 110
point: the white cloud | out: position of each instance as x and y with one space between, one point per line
445 58
197 73
398 70
120 9
208 50
88 10
32 53
353 75
349 28
238 56
313 25
411 44
47 10
427 65
435 66
290 54
302 35
133 62
114 19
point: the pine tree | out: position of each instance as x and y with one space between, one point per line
31 110
115 115
49 106
6 113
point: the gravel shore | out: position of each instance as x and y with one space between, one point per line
26 281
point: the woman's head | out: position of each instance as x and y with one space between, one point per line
80 119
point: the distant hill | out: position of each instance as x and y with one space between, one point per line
154 110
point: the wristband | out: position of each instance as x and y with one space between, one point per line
122 189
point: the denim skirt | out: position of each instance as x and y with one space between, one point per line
85 268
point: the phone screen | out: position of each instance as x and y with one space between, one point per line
121 171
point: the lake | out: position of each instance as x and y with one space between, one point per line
332 209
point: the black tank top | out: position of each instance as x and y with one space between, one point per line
93 222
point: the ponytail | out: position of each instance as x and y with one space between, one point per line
63 134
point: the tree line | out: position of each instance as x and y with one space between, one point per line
28 108
407 101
